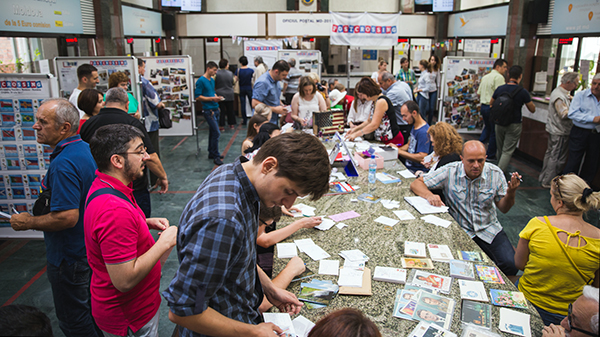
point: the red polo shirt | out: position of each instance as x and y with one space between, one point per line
116 232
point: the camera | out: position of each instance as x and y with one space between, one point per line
320 87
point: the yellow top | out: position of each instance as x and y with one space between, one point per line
550 281
488 85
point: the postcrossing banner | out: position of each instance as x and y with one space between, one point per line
364 29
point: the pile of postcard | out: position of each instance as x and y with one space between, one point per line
317 293
426 307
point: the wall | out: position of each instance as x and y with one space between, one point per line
227 6
470 4
379 6
193 25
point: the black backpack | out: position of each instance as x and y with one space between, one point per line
502 110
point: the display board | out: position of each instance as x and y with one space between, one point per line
141 22
267 49
45 17
307 61
23 162
173 80
460 105
66 71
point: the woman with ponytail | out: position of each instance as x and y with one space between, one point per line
560 254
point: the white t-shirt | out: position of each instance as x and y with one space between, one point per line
375 76
306 108
73 99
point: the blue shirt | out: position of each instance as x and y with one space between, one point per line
418 142
216 246
266 90
584 107
245 77
70 175
150 100
206 88
399 93
472 203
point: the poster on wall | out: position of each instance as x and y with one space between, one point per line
23 162
267 49
307 61
171 76
460 106
364 29
66 72
35 16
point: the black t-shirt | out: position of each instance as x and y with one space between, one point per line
520 98
447 159
109 116
391 113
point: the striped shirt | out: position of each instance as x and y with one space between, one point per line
472 203
216 247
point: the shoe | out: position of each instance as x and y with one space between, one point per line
218 161
211 157
232 127
221 128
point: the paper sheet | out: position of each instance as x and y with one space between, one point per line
341 225
282 320
308 247
406 174
304 243
514 322
386 221
302 326
404 215
434 220
358 265
424 207
286 250
329 267
390 204
305 210
325 224
344 216
350 278
354 255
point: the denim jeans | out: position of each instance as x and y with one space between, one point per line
548 317
243 95
583 142
423 105
142 198
212 119
70 285
501 252
431 106
489 131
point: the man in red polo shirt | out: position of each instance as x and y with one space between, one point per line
123 256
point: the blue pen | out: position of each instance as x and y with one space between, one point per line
14 210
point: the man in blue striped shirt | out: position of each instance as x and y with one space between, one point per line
473 190
218 288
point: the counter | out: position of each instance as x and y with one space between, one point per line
384 246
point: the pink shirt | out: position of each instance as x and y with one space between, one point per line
116 232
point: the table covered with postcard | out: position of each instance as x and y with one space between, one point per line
377 253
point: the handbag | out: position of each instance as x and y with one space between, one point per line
42 203
236 83
562 246
164 118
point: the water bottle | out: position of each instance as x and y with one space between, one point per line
372 169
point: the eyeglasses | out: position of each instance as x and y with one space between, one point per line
141 152
571 327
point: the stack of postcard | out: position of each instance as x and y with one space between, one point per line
489 274
461 269
472 290
427 280
414 249
476 313
425 329
507 298
430 308
390 274
403 296
317 293
409 262
440 253
472 256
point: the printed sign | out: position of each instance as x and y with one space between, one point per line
364 29
35 16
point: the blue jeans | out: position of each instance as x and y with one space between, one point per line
548 317
583 142
501 252
489 131
212 119
431 106
142 198
274 118
423 105
243 95
70 285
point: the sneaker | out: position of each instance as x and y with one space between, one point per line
232 127
218 161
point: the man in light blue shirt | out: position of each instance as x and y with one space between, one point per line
399 93
268 92
474 190
585 134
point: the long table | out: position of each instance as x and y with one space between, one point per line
385 246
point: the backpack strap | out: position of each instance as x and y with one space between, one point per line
107 190
516 91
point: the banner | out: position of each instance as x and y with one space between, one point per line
267 49
364 29
576 17
482 22
46 17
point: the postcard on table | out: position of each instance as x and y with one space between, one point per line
471 256
472 290
461 269
404 215
440 253
476 313
425 329
386 221
514 322
414 249
389 274
286 250
408 262
364 290
434 309
344 216
302 325
329 267
507 298
489 274
431 281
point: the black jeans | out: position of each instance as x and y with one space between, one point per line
583 142
501 252
142 198
226 108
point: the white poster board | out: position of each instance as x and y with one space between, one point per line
307 61
172 78
66 71
460 105
23 162
267 49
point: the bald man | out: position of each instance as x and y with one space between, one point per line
473 190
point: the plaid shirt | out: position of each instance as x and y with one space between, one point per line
472 203
406 76
216 246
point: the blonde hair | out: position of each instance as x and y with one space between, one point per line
575 193
263 109
314 77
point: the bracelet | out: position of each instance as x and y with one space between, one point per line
362 132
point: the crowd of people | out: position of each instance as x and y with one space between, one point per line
104 266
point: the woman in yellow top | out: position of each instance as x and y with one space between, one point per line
560 254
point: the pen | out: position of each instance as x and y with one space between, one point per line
521 180
14 210
418 175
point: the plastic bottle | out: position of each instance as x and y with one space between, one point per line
372 169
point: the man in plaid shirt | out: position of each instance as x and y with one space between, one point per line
218 287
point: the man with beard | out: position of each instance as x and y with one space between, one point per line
115 112
122 253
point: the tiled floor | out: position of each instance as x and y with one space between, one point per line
22 262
